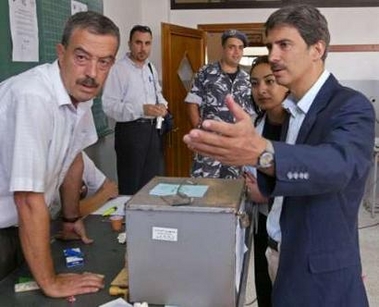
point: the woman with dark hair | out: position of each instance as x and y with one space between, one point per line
267 100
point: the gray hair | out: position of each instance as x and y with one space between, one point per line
95 23
307 19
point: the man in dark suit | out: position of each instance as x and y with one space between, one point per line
317 176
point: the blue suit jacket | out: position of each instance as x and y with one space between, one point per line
319 260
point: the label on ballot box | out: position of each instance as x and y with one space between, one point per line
74 257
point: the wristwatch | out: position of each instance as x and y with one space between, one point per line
266 158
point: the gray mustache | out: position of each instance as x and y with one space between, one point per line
88 82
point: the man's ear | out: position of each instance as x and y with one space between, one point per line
319 49
60 49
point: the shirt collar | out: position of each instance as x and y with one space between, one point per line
303 105
63 98
59 88
128 59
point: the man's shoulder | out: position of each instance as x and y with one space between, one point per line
341 92
243 73
210 69
37 80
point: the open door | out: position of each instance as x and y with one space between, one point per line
183 53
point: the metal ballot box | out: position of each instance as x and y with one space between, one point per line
184 250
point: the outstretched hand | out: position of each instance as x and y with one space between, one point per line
232 144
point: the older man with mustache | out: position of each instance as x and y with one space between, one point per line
45 123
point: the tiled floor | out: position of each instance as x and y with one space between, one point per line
369 243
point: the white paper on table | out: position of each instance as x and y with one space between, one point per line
118 202
120 302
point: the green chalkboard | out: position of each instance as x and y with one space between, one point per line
52 16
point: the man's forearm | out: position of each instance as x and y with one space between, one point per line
92 203
107 191
194 114
34 230
70 189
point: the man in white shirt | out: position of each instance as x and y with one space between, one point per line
133 98
317 176
45 123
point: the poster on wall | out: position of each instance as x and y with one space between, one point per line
77 6
24 30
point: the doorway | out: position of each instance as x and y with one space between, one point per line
183 53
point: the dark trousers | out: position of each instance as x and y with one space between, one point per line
139 154
11 255
263 284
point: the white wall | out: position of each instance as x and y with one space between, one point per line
153 13
347 26
125 14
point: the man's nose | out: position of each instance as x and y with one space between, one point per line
273 55
91 68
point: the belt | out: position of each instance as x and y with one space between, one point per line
151 121
9 232
272 243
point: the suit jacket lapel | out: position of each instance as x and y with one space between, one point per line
319 103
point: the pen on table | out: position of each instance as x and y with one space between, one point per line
109 211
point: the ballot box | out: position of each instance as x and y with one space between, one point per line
185 242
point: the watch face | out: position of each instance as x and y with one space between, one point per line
266 159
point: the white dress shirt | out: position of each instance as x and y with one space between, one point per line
298 111
41 132
92 176
128 88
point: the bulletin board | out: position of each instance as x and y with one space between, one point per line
51 16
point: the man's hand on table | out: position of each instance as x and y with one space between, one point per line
65 285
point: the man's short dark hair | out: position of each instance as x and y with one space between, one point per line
139 28
94 22
307 19
236 34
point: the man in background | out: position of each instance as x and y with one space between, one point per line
206 99
45 123
317 176
133 98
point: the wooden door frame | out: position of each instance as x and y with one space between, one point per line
256 30
166 60
169 31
